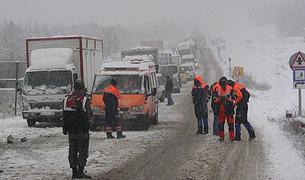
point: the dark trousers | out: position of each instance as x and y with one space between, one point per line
112 120
215 123
169 99
242 118
78 149
203 124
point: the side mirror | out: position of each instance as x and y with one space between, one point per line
19 90
154 92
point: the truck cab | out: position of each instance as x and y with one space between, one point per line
138 106
54 64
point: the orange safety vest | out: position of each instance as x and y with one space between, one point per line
237 87
113 90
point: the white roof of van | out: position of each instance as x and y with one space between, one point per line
127 67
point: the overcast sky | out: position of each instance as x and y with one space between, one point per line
125 12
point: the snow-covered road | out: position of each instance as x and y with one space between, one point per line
45 154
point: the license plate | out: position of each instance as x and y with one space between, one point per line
47 113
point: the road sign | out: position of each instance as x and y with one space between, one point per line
299 85
297 60
299 75
297 64
238 73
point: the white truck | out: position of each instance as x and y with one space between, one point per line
54 63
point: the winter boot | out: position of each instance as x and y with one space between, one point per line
109 135
199 131
221 139
237 138
252 137
74 172
120 135
206 131
81 174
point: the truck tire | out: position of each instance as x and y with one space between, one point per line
162 98
31 122
93 126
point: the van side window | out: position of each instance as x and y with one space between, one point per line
147 84
154 80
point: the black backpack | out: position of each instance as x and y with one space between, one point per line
76 121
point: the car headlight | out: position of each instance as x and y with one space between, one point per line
137 108
96 109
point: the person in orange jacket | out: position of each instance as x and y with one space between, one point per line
242 112
110 98
226 101
204 85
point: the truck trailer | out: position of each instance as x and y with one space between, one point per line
53 64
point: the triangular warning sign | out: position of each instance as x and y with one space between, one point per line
299 61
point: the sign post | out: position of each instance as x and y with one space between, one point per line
230 67
16 88
297 64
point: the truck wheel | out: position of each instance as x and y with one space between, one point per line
93 127
162 99
31 122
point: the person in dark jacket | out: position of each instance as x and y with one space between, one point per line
76 117
242 112
200 99
169 85
110 98
215 108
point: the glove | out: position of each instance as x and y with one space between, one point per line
234 103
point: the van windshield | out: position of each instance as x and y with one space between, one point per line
127 84
47 82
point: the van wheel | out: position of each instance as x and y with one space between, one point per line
146 123
155 119
31 122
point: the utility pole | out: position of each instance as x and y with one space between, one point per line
16 88
230 68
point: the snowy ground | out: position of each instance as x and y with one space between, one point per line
45 154
267 62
